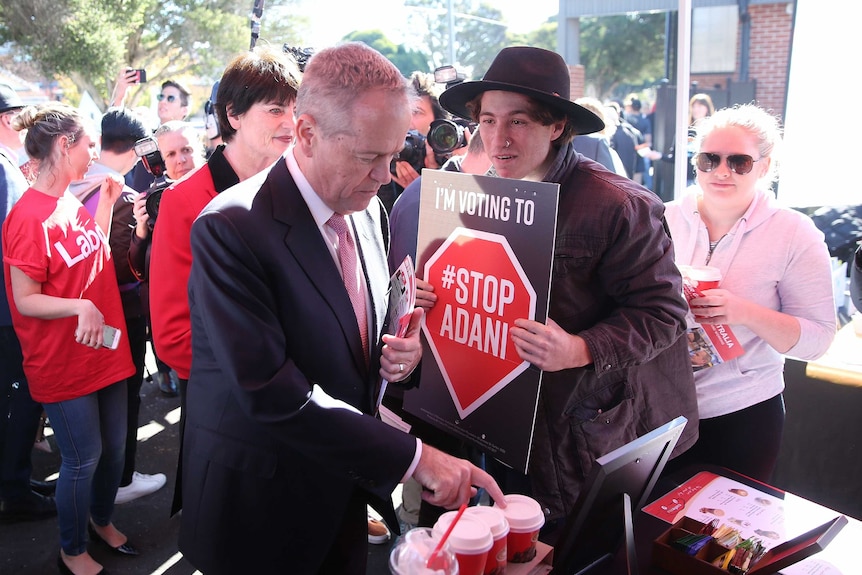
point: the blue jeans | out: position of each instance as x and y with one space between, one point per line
91 434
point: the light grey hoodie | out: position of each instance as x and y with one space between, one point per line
775 257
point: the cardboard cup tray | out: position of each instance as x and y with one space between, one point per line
678 563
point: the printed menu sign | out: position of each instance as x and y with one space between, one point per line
769 518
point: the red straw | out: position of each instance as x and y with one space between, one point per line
433 560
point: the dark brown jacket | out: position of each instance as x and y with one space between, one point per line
616 285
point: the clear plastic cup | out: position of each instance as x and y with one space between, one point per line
410 555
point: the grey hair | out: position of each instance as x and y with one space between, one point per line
335 76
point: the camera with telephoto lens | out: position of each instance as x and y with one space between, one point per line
147 149
446 136
413 152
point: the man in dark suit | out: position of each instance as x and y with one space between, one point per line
595 148
281 452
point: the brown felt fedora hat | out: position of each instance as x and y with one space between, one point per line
535 72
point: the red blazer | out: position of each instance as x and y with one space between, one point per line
170 265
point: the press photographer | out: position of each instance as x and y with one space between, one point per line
447 135
147 149
444 137
172 152
420 152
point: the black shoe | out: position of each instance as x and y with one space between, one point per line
124 549
45 488
31 507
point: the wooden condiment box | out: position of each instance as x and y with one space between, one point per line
678 563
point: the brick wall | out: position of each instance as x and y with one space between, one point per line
771 30
710 81
769 56
576 82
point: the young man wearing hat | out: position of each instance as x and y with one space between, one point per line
19 414
615 363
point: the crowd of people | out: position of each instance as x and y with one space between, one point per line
262 284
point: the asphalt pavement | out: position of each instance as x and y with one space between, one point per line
31 548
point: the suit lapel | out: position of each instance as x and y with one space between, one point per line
308 247
372 255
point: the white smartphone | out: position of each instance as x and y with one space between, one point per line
111 337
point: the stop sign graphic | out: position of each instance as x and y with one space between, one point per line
481 289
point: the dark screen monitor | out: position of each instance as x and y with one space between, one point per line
618 485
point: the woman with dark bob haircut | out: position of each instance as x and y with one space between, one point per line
254 104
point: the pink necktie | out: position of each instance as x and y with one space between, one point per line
347 258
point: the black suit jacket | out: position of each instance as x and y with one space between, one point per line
278 440
595 148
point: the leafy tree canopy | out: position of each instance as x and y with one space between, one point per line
91 40
545 36
407 61
621 51
478 33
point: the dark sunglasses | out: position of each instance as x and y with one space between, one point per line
738 163
169 97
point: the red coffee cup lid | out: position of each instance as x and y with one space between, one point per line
470 535
493 517
523 513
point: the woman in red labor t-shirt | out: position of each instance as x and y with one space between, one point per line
63 292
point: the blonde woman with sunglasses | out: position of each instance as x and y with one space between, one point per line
775 292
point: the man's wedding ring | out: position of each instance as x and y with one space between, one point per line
400 368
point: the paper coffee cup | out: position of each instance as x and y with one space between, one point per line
704 277
525 518
495 519
470 540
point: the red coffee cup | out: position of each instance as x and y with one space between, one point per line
496 522
470 540
525 518
704 277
